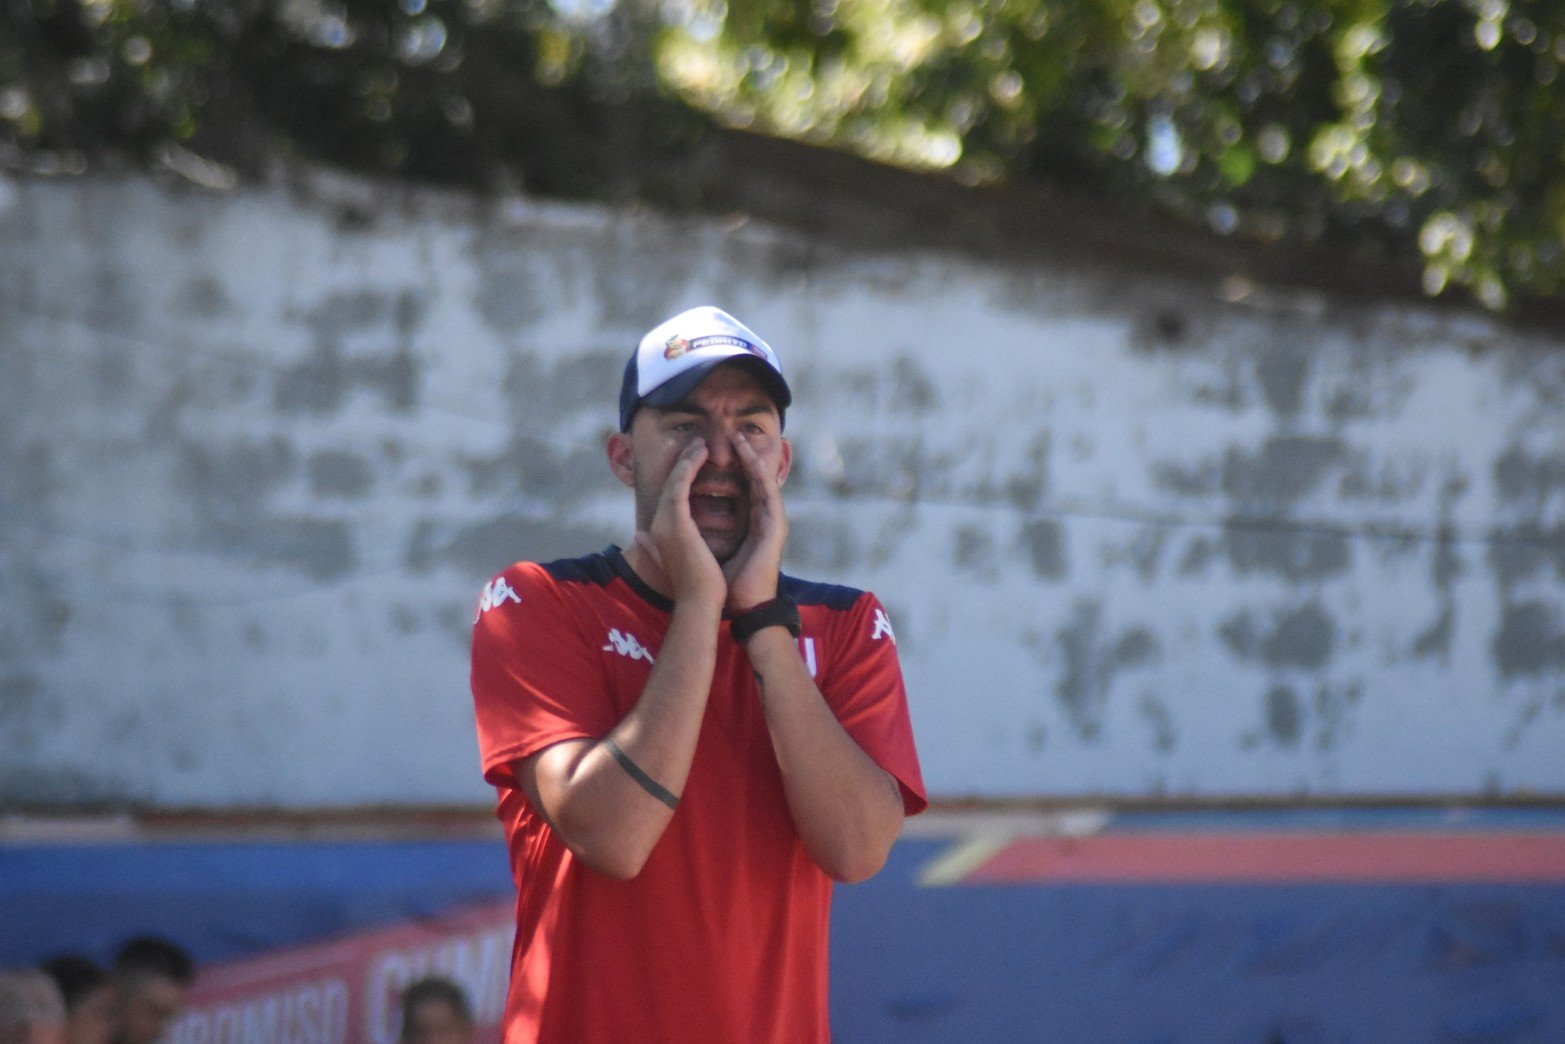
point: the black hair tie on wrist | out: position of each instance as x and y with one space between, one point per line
779 612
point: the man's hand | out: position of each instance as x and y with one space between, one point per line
674 544
752 571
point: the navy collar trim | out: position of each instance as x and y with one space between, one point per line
648 593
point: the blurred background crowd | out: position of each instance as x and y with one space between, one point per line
72 999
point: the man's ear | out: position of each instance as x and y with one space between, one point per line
622 458
787 462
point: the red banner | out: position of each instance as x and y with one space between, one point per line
350 989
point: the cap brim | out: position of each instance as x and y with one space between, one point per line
675 389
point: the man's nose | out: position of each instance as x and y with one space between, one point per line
720 450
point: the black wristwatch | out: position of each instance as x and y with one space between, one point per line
779 612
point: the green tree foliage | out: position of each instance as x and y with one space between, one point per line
468 92
1390 127
1428 129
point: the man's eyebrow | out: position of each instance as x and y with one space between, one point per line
689 407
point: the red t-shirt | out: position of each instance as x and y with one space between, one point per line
723 934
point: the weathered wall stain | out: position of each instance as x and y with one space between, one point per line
1282 367
1043 541
1312 718
1185 480
538 469
1092 659
1436 640
1286 469
1161 721
1301 637
34 617
336 473
1369 378
234 478
1027 486
322 382
1284 715
1530 640
1528 479
1136 539
25 787
321 548
1143 552
823 545
975 553
1291 553
205 297
1526 551
541 394
20 708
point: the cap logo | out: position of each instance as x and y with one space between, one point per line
725 341
676 347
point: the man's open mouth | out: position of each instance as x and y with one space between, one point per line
713 505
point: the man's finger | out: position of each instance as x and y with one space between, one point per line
683 475
756 466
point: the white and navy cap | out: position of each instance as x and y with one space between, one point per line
677 354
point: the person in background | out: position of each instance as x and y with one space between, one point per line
31 1010
152 978
435 1011
88 996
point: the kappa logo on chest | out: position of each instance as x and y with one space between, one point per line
627 645
623 643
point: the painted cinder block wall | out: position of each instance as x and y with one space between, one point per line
1143 535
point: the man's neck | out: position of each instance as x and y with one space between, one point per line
647 570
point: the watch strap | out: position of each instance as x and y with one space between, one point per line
779 612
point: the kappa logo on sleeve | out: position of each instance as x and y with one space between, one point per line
627 645
496 593
883 627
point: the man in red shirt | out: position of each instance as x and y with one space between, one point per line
689 747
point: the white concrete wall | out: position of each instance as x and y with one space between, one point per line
259 452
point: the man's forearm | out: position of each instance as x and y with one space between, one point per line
661 729
609 799
846 808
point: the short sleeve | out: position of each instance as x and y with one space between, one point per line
536 680
864 688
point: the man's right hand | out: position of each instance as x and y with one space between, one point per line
674 543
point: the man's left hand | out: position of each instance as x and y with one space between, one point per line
752 571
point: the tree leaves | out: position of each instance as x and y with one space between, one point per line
1420 128
1425 129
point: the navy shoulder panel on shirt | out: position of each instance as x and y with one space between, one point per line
588 569
604 567
832 596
